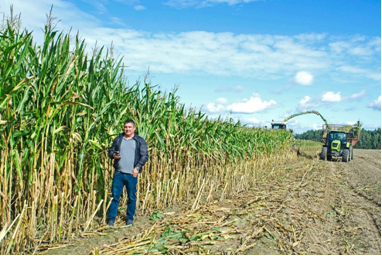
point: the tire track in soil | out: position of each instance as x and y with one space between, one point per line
363 181
322 207
367 180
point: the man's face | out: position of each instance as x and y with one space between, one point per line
129 129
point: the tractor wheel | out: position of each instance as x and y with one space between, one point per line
352 154
346 155
324 153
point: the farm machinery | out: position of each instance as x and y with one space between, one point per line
339 141
279 125
283 125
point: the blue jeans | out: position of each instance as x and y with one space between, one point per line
119 181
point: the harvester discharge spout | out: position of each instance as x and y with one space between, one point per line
304 113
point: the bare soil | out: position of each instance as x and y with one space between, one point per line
302 206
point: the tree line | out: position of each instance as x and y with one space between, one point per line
367 140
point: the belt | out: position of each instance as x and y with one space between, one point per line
124 173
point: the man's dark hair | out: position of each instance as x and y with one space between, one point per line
129 121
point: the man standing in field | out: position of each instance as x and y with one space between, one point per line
129 152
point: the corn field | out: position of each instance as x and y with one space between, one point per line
60 109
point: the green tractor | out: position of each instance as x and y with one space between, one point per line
339 141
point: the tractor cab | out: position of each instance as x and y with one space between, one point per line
279 125
337 135
336 142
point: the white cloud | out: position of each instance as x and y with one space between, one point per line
198 52
361 71
303 78
371 127
139 7
254 104
358 95
358 45
331 97
221 101
204 3
307 104
245 106
251 121
305 100
337 97
376 104
311 37
33 15
217 106
136 4
238 88
283 89
209 53
316 126
299 128
117 21
99 5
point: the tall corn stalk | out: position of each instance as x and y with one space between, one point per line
59 111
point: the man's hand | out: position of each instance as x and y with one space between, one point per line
117 155
135 172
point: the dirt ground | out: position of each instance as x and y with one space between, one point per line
303 206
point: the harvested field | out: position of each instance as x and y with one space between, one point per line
305 206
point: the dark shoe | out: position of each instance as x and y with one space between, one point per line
129 222
111 223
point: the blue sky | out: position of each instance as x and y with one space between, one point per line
246 59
